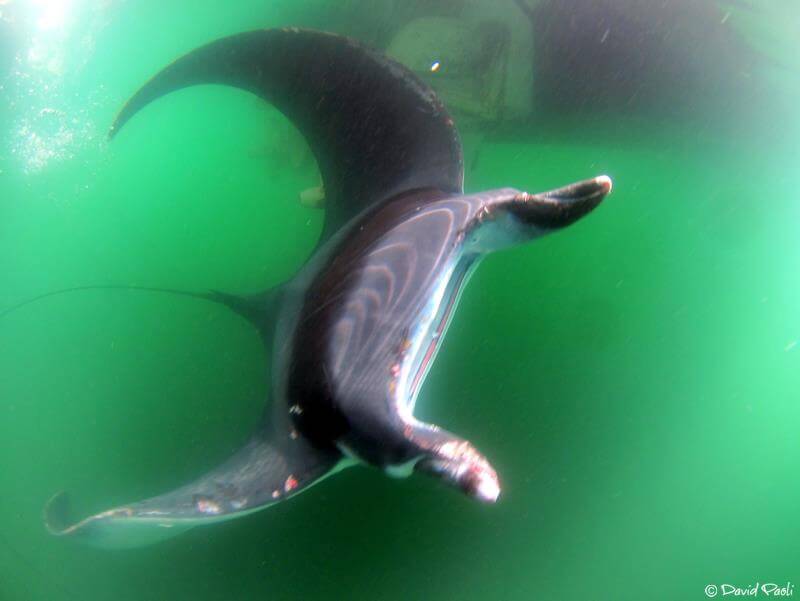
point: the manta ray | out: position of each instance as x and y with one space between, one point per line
353 334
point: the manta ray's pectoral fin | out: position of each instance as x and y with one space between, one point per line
262 473
374 128
454 460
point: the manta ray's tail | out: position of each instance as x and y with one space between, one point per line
257 309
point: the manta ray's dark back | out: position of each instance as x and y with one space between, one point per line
374 128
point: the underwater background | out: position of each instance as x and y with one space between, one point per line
634 379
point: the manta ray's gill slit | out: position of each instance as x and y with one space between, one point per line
384 284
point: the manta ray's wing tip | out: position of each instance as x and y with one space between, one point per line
604 182
113 130
56 514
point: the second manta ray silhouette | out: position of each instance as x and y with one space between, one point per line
354 333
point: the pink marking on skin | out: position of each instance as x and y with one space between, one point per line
290 484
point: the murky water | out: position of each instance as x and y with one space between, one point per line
634 379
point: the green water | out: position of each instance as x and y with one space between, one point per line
634 379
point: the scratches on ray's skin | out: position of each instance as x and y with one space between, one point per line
227 497
396 368
207 505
